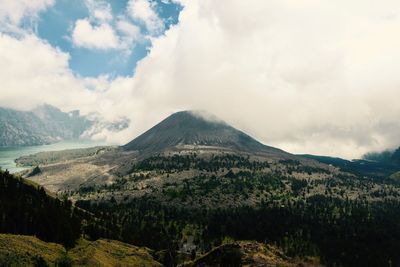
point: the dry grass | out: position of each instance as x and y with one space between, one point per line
111 253
18 250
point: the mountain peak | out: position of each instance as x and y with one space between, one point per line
198 115
191 129
193 120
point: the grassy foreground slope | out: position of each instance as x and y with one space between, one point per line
27 209
249 253
17 250
105 252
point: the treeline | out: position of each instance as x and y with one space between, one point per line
341 232
28 210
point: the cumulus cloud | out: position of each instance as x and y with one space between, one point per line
129 34
96 32
14 10
306 76
101 31
144 11
33 72
98 37
128 29
17 13
99 10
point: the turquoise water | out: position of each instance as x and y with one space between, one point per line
9 154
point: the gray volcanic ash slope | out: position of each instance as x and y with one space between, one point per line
187 130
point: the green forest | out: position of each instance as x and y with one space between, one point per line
340 231
27 209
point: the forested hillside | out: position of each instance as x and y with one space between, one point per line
26 208
343 219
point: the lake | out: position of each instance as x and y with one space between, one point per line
9 154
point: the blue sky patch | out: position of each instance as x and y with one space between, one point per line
57 23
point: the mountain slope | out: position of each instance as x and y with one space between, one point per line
47 124
391 157
182 133
26 208
246 253
360 167
22 128
16 250
189 130
373 164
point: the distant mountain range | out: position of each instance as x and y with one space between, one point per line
374 164
387 156
47 124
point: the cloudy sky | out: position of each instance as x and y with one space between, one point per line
308 76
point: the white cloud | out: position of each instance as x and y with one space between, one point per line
99 10
33 72
128 29
306 76
101 31
17 16
96 32
130 34
144 11
309 76
102 36
14 10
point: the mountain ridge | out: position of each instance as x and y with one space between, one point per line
47 124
